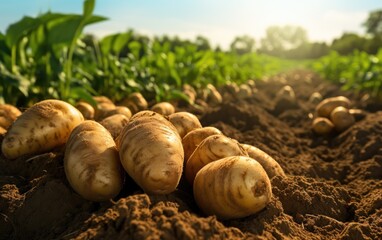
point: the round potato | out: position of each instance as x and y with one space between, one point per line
232 187
91 162
315 98
164 108
270 165
135 102
326 106
8 115
341 118
322 126
86 109
184 122
115 123
116 110
42 127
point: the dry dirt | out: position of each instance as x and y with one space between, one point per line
333 189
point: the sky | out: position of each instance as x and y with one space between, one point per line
218 20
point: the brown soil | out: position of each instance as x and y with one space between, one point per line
333 189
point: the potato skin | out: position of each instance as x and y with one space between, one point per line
211 149
232 187
42 127
192 139
184 122
8 115
341 118
91 162
322 126
86 109
151 153
164 108
270 165
326 106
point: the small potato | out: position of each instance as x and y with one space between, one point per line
211 149
116 110
286 93
151 152
86 109
341 118
2 130
102 100
184 122
42 127
214 97
326 106
135 102
8 115
232 187
115 123
322 126
315 98
164 108
91 162
270 165
358 114
192 139
244 91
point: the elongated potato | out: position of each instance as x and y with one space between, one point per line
326 106
115 123
341 118
164 108
151 152
91 162
8 115
322 126
232 187
42 127
211 149
270 165
86 109
184 122
192 139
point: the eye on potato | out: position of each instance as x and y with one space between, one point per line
91 162
341 118
211 149
322 126
8 115
151 153
42 127
184 122
164 108
270 165
326 106
232 187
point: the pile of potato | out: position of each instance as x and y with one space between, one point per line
156 148
334 114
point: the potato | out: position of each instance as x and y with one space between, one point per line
341 118
326 106
214 97
115 123
102 100
103 109
135 102
211 149
251 83
91 162
86 109
192 139
116 110
8 115
322 126
42 127
315 98
286 93
151 152
2 130
358 114
270 165
164 108
232 187
184 122
244 92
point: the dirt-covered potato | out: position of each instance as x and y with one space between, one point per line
86 109
42 127
91 162
116 110
135 102
115 123
184 122
341 118
164 108
211 149
326 106
151 152
8 115
232 187
214 97
270 165
315 98
322 126
358 114
286 93
245 91
192 139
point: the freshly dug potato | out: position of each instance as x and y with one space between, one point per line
135 102
341 118
322 126
244 92
192 139
326 106
251 83
164 108
45 125
232 187
211 149
116 110
115 123
91 162
184 122
2 130
86 109
102 100
151 152
358 114
102 110
286 93
8 115
315 98
270 165
214 97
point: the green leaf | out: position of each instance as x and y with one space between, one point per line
88 8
